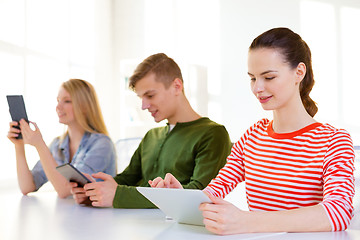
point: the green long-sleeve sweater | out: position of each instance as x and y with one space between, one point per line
193 152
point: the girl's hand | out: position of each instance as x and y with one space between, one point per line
14 133
32 137
222 217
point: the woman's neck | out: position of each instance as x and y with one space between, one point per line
75 133
291 119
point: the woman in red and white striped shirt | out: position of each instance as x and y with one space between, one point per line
298 172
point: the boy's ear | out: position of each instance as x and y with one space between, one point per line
300 72
178 85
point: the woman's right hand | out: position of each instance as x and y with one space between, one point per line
13 133
31 135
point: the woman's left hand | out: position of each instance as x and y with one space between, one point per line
222 217
32 137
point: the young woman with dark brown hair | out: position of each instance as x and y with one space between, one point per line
298 172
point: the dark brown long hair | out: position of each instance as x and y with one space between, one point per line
294 50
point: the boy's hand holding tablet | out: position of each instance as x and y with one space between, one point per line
97 194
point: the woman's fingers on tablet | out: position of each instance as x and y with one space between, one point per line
213 221
209 214
13 132
13 124
12 135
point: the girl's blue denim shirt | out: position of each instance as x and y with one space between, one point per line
96 153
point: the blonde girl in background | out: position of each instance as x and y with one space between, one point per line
85 144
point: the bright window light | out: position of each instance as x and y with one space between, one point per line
47 27
350 49
82 35
40 49
318 29
12 21
11 72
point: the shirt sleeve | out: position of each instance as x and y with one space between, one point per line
338 177
38 175
229 176
233 172
132 174
99 157
126 195
210 157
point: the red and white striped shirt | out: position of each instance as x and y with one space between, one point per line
313 165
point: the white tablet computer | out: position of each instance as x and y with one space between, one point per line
180 204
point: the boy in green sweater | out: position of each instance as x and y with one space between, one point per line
191 147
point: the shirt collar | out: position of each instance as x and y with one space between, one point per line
188 123
65 143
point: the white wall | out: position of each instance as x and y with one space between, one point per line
207 38
241 22
105 81
216 34
42 44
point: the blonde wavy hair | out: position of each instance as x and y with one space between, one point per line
86 106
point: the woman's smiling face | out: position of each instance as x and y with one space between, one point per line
64 107
273 82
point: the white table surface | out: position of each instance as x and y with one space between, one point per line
43 215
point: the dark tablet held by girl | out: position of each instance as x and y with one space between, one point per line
17 110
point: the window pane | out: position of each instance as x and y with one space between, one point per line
47 27
36 57
350 63
12 21
84 73
12 72
82 32
44 78
323 45
159 26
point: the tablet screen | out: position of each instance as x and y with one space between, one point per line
17 109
